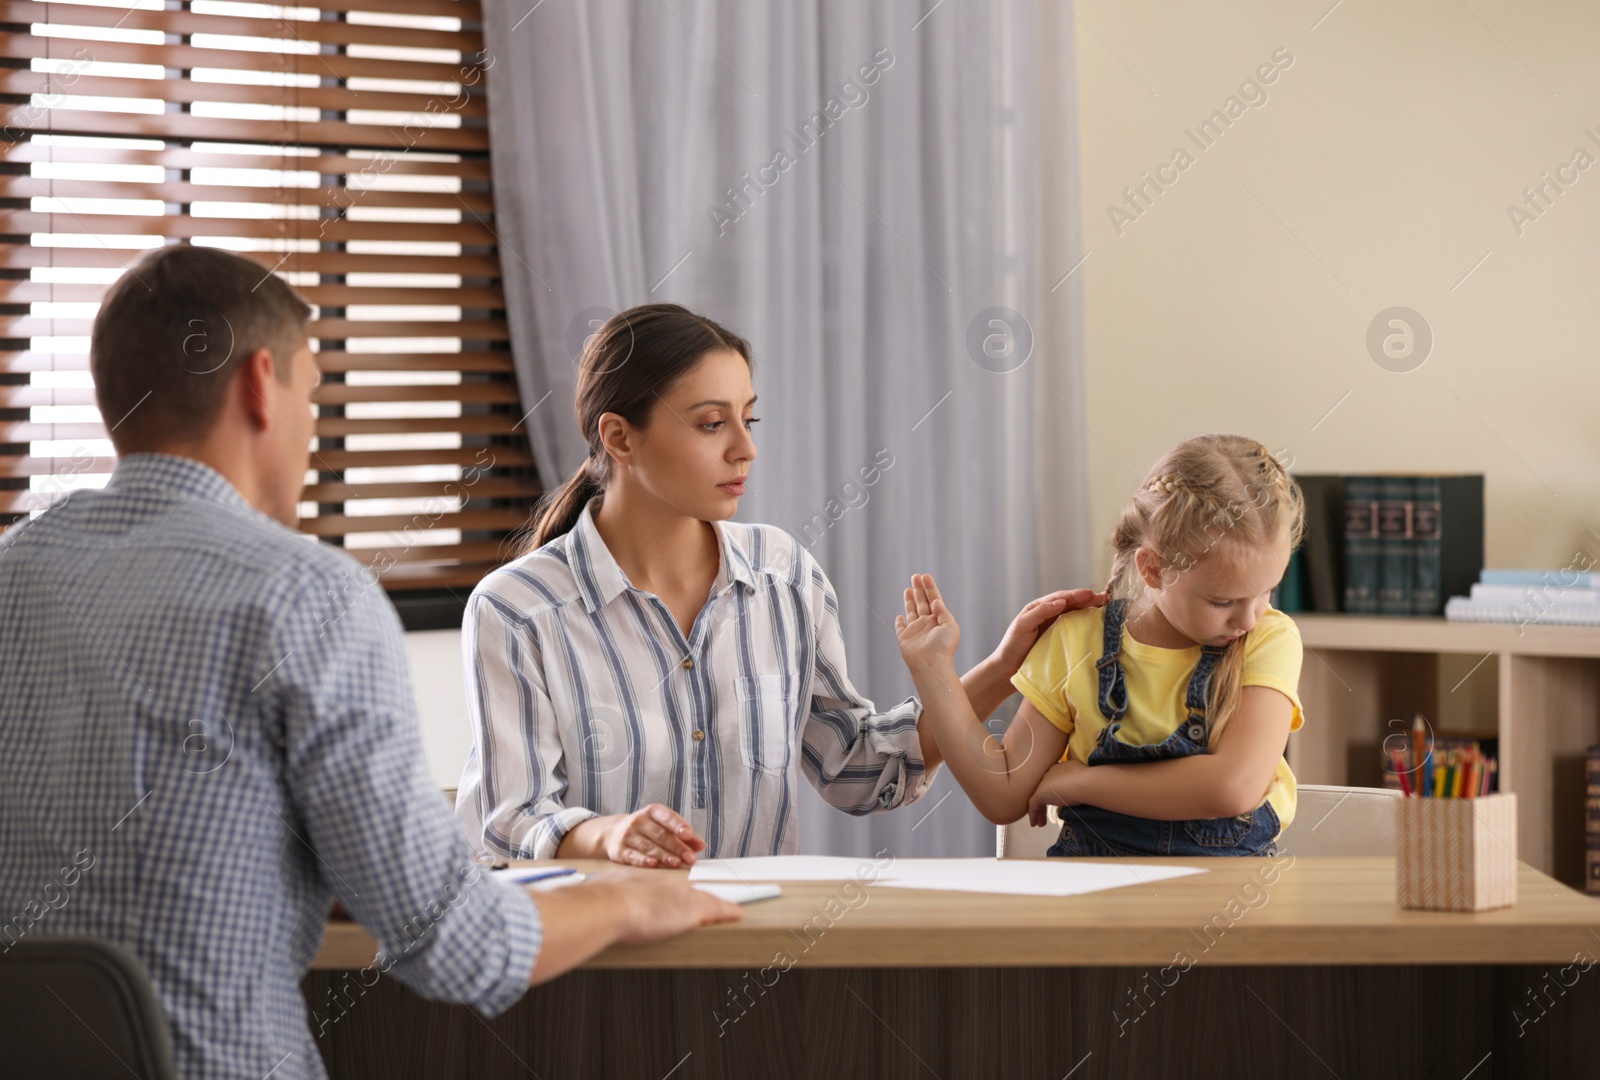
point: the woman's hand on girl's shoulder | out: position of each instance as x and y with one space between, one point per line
1034 619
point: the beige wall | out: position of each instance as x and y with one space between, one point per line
1392 147
1390 150
438 682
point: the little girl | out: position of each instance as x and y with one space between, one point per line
1174 701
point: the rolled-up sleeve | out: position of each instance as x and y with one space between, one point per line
378 826
511 797
859 759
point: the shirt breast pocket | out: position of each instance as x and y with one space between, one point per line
764 711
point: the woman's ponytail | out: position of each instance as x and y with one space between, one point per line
558 511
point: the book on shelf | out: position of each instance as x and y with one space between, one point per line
1527 597
1386 544
1395 514
1290 594
1323 548
1361 545
1555 579
1591 822
1447 539
1532 594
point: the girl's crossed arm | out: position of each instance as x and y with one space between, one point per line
999 777
1230 779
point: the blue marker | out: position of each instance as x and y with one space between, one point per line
531 874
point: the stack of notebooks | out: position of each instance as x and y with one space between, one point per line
1558 597
1385 544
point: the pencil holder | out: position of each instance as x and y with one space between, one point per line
1456 854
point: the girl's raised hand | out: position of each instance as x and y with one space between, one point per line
927 632
1034 619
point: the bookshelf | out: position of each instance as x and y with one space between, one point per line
1541 685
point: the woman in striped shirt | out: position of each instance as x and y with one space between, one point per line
649 680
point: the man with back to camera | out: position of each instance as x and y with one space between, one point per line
209 749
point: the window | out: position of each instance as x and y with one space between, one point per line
342 147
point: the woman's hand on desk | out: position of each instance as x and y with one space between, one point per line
650 837
1056 789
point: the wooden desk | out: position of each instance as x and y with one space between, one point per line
1257 967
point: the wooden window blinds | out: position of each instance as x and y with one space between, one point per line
344 147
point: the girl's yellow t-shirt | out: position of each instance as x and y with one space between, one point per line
1059 678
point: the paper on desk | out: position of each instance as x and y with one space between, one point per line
783 868
1018 877
1025 877
737 893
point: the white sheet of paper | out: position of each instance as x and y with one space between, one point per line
1017 877
1025 877
781 868
739 894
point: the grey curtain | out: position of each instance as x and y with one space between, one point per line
855 188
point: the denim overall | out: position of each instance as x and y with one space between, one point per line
1089 830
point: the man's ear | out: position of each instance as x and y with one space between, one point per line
617 437
250 385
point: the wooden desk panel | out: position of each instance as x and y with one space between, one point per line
1220 974
1337 911
1011 1023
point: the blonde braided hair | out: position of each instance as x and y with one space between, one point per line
1206 483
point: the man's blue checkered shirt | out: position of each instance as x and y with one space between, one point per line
207 733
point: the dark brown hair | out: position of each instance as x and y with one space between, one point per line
626 367
173 331
1211 493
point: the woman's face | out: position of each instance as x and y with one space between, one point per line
1222 595
695 451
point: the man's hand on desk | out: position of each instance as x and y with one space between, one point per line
618 907
664 906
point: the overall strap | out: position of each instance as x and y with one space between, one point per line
1113 688
1198 726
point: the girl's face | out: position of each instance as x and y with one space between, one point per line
1222 595
695 451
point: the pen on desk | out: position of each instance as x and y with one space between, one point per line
536 874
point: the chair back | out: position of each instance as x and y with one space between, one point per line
80 1008
1328 820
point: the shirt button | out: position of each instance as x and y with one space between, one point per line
699 735
688 662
